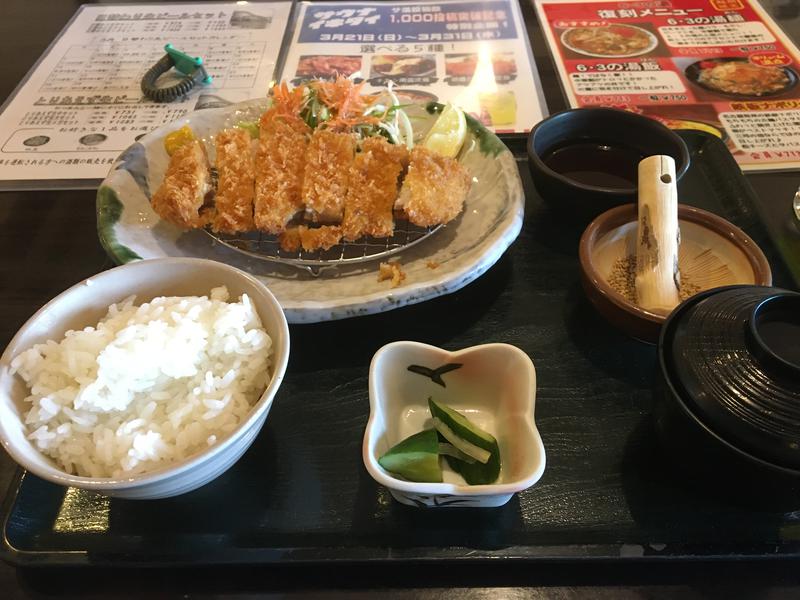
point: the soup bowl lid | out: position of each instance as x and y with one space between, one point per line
733 355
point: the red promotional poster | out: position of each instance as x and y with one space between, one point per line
720 66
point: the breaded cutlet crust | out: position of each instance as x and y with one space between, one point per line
328 160
279 166
391 270
289 240
236 180
373 189
310 239
179 199
434 189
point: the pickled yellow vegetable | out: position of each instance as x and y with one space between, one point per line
178 138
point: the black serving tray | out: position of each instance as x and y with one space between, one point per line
301 493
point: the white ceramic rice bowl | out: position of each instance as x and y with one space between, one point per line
85 304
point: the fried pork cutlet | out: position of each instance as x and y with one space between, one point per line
289 240
373 189
279 166
179 199
434 189
235 191
310 239
328 161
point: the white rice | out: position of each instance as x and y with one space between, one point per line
150 385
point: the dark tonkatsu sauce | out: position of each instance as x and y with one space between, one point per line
595 163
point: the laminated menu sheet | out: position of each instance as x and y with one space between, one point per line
81 105
722 66
474 54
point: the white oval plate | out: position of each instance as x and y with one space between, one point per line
460 252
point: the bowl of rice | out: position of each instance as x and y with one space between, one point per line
145 381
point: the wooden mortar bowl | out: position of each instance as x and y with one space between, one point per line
705 239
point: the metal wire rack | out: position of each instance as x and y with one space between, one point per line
266 247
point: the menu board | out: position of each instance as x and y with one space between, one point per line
474 54
722 66
82 103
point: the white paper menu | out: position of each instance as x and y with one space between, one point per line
82 105
475 54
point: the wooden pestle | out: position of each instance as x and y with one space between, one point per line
658 237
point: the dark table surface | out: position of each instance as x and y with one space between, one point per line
48 242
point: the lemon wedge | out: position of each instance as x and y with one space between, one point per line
178 138
448 132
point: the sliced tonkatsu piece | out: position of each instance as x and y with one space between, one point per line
310 239
289 240
373 189
320 238
236 179
279 166
180 197
325 182
434 188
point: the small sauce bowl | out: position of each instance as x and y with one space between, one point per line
494 385
600 149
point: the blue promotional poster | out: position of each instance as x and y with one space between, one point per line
474 54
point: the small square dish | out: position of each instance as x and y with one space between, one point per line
493 385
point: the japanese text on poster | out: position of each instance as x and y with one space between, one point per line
82 104
475 54
721 66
